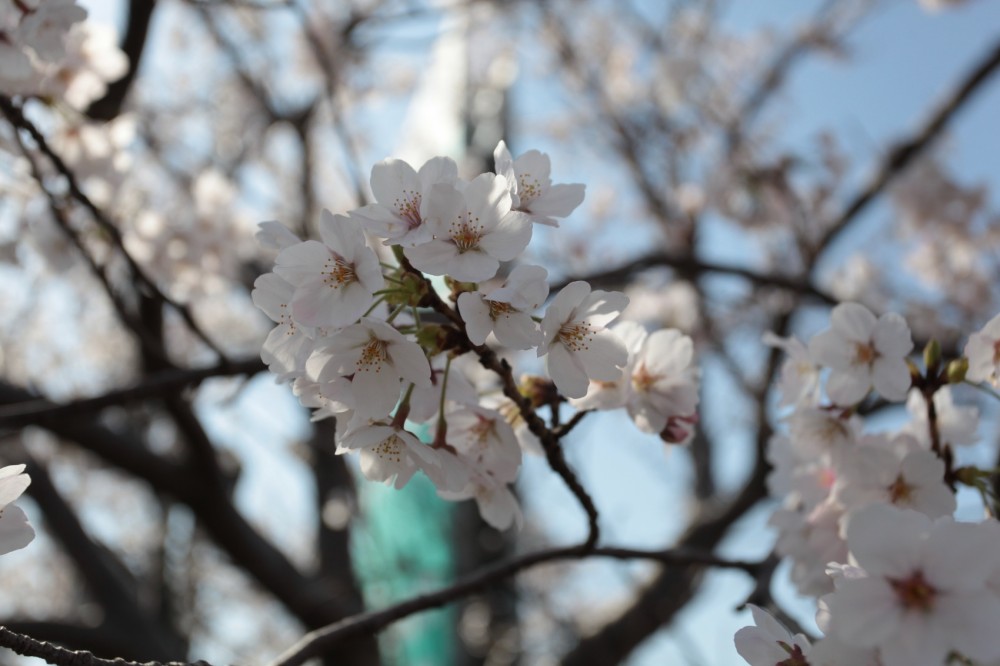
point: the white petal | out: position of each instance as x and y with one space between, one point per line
567 372
391 179
15 532
892 336
411 363
476 315
891 378
887 541
853 321
508 240
559 201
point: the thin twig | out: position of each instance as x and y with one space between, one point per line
41 411
491 361
900 156
27 646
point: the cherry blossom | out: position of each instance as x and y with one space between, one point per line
531 187
334 280
799 374
576 345
378 357
401 196
505 311
983 352
472 230
864 351
769 643
924 595
664 384
388 454
615 393
914 481
288 345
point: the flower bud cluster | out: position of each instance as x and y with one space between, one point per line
867 519
373 343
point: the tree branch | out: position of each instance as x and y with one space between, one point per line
29 647
39 411
321 641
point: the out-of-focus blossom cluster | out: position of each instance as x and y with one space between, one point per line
374 344
48 50
867 519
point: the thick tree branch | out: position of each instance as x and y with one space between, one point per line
40 411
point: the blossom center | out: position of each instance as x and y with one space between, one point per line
375 353
408 208
914 593
390 450
483 429
576 336
996 352
900 492
498 309
864 353
466 232
643 379
528 189
338 273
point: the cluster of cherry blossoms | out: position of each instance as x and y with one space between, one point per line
48 50
364 333
867 518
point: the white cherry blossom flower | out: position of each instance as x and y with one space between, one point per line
496 503
288 345
15 532
471 230
378 357
576 345
531 187
811 539
664 383
615 393
925 592
485 439
334 280
506 311
401 196
875 475
804 480
815 431
388 454
326 397
799 382
983 352
864 351
770 643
